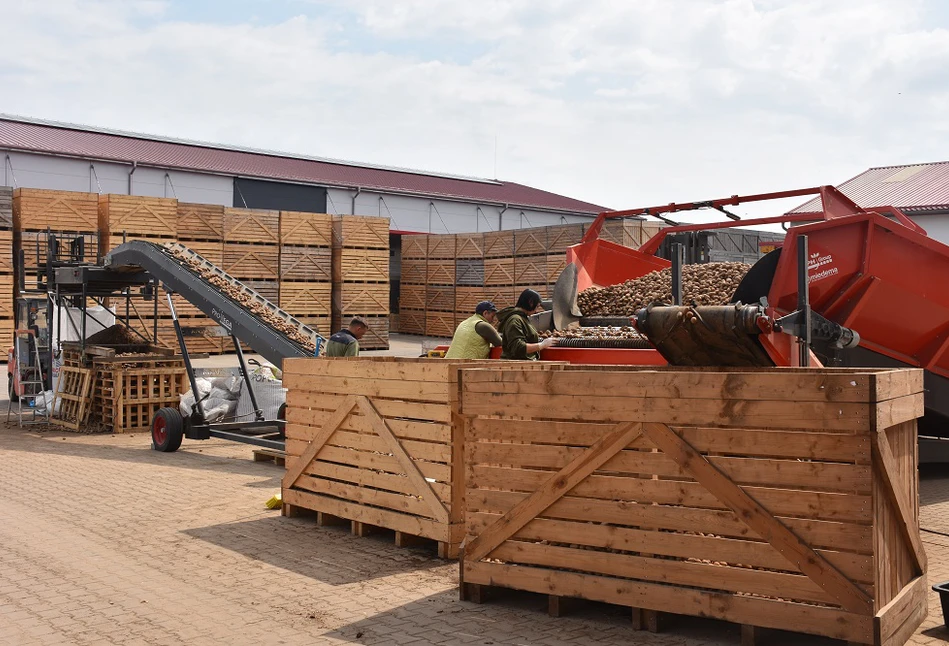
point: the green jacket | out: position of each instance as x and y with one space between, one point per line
516 332
342 344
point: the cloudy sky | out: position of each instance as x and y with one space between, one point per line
620 103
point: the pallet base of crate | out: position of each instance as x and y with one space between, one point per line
340 513
276 456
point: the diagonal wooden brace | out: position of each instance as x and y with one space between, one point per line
552 490
759 519
897 495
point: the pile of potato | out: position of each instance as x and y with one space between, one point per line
244 299
596 332
712 283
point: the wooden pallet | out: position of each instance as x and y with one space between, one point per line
254 261
651 488
378 441
200 222
130 390
306 299
72 397
138 215
38 209
306 263
251 225
276 456
371 265
306 229
361 231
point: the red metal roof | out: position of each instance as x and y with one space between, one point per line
915 188
70 140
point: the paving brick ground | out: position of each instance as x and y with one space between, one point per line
103 541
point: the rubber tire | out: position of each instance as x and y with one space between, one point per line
282 414
172 423
10 392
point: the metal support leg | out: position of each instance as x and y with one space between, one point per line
187 359
678 259
258 414
803 302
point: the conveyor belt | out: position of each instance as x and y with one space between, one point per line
635 344
182 279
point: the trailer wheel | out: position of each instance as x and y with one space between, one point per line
11 389
167 430
282 414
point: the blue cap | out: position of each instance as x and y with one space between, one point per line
485 306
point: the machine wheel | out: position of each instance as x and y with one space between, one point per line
167 430
282 414
11 391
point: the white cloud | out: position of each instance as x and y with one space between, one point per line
621 104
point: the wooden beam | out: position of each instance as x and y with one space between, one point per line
423 488
297 465
553 489
904 511
759 519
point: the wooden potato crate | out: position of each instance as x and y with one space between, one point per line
364 298
530 270
378 441
438 297
442 247
414 271
469 245
306 263
200 222
321 324
499 244
306 299
251 225
530 242
6 333
306 229
440 324
414 247
130 390
37 209
562 236
6 207
440 272
377 336
6 251
502 297
252 261
776 498
370 265
411 321
210 250
499 271
412 297
116 239
467 299
556 263
155 217
361 231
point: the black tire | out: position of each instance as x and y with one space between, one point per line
11 392
282 414
167 430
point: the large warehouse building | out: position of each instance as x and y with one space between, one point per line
51 155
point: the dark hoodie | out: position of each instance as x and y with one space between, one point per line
516 332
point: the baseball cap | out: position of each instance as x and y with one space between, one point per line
485 306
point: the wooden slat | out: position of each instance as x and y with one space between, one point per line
742 610
469 245
6 250
417 450
441 247
896 622
365 496
402 428
436 412
296 467
210 250
893 489
499 244
760 520
499 271
362 460
398 483
530 242
411 297
408 391
555 487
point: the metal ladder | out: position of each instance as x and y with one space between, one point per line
30 379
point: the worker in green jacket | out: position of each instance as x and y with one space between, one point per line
476 334
520 338
345 343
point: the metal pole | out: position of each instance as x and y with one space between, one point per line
258 414
196 409
678 259
803 302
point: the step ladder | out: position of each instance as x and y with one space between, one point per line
28 374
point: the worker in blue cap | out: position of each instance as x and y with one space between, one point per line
476 334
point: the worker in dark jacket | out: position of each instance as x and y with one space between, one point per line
345 343
476 334
520 338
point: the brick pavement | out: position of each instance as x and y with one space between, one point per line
103 541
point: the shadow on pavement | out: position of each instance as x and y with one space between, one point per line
328 554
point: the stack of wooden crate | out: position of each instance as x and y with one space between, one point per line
412 284
361 276
73 217
440 286
306 273
6 267
252 250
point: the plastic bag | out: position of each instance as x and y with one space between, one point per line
219 397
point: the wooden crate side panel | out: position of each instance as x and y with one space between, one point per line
6 332
306 229
440 298
411 297
269 289
134 214
200 222
530 242
556 263
39 209
562 236
306 263
499 271
467 299
412 321
530 270
501 296
6 207
310 299
210 250
414 247
6 297
251 225
377 336
440 324
370 265
499 244
362 231
442 247
252 261
6 251
414 271
321 324
440 272
115 240
469 245
363 298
